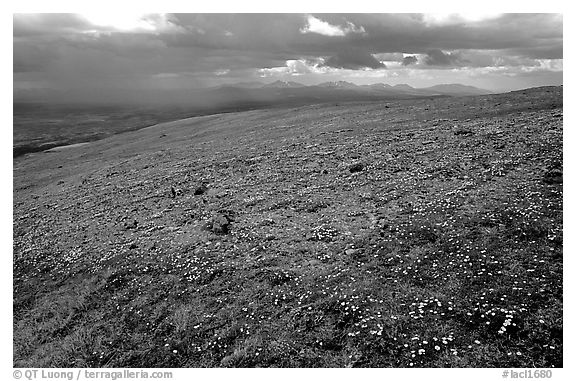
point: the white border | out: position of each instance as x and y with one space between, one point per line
295 6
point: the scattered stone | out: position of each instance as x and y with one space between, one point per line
352 252
176 192
356 167
553 176
131 225
200 189
462 131
220 224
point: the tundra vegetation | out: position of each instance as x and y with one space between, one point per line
409 233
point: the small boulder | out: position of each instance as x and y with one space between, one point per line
462 131
356 167
352 252
200 189
553 176
131 225
220 224
553 173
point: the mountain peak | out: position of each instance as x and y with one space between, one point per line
283 84
244 85
379 86
457 88
403 86
338 84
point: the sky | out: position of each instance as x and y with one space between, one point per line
107 54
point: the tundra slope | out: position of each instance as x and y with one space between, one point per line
420 233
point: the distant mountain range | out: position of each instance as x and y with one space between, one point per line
247 95
294 93
453 89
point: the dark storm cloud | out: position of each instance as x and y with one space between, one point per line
436 57
531 34
409 60
280 37
354 59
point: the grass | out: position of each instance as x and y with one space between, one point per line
439 250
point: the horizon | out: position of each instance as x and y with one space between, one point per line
111 56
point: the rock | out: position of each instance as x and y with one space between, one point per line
220 224
356 167
200 189
131 225
175 192
352 252
553 173
553 176
462 131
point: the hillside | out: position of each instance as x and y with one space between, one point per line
406 233
39 126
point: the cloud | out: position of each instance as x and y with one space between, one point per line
35 24
315 25
26 24
66 50
458 18
390 57
293 68
437 57
409 60
222 72
354 59
132 22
